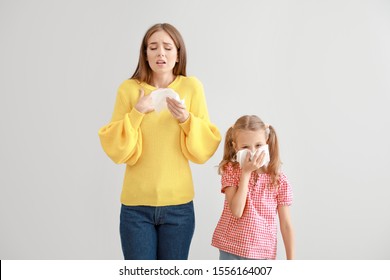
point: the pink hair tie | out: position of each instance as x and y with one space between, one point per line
267 126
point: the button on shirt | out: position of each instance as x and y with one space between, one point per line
254 235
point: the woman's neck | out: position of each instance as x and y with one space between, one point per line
162 80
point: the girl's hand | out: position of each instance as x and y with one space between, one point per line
177 110
144 104
254 164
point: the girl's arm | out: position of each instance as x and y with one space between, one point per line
287 231
236 196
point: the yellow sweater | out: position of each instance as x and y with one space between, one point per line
155 147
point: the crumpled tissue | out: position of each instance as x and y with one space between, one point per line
159 98
241 155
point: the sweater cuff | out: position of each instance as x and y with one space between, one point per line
186 125
136 118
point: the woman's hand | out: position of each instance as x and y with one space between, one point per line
144 104
177 110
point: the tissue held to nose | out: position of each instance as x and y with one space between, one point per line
241 155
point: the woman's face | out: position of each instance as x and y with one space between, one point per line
161 52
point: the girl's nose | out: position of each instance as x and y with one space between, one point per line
253 149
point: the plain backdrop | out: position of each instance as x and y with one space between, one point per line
318 71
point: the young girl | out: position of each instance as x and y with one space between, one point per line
254 194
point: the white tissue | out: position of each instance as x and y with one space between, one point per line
159 98
241 155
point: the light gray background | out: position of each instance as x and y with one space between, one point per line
319 71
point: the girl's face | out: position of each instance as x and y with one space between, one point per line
161 52
251 140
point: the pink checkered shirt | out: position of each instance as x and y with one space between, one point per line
254 235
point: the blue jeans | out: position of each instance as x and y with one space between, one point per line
157 233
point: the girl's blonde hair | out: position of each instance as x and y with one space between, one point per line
143 72
252 123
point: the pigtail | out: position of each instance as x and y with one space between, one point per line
228 151
273 167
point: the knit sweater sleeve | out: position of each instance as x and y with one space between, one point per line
199 137
121 139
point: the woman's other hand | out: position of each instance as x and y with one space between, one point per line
144 104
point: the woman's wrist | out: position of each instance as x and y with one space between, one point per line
183 120
139 109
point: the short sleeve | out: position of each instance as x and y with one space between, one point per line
285 194
230 176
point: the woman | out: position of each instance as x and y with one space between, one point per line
157 215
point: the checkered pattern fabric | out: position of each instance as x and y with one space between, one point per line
254 235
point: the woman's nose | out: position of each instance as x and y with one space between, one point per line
161 52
